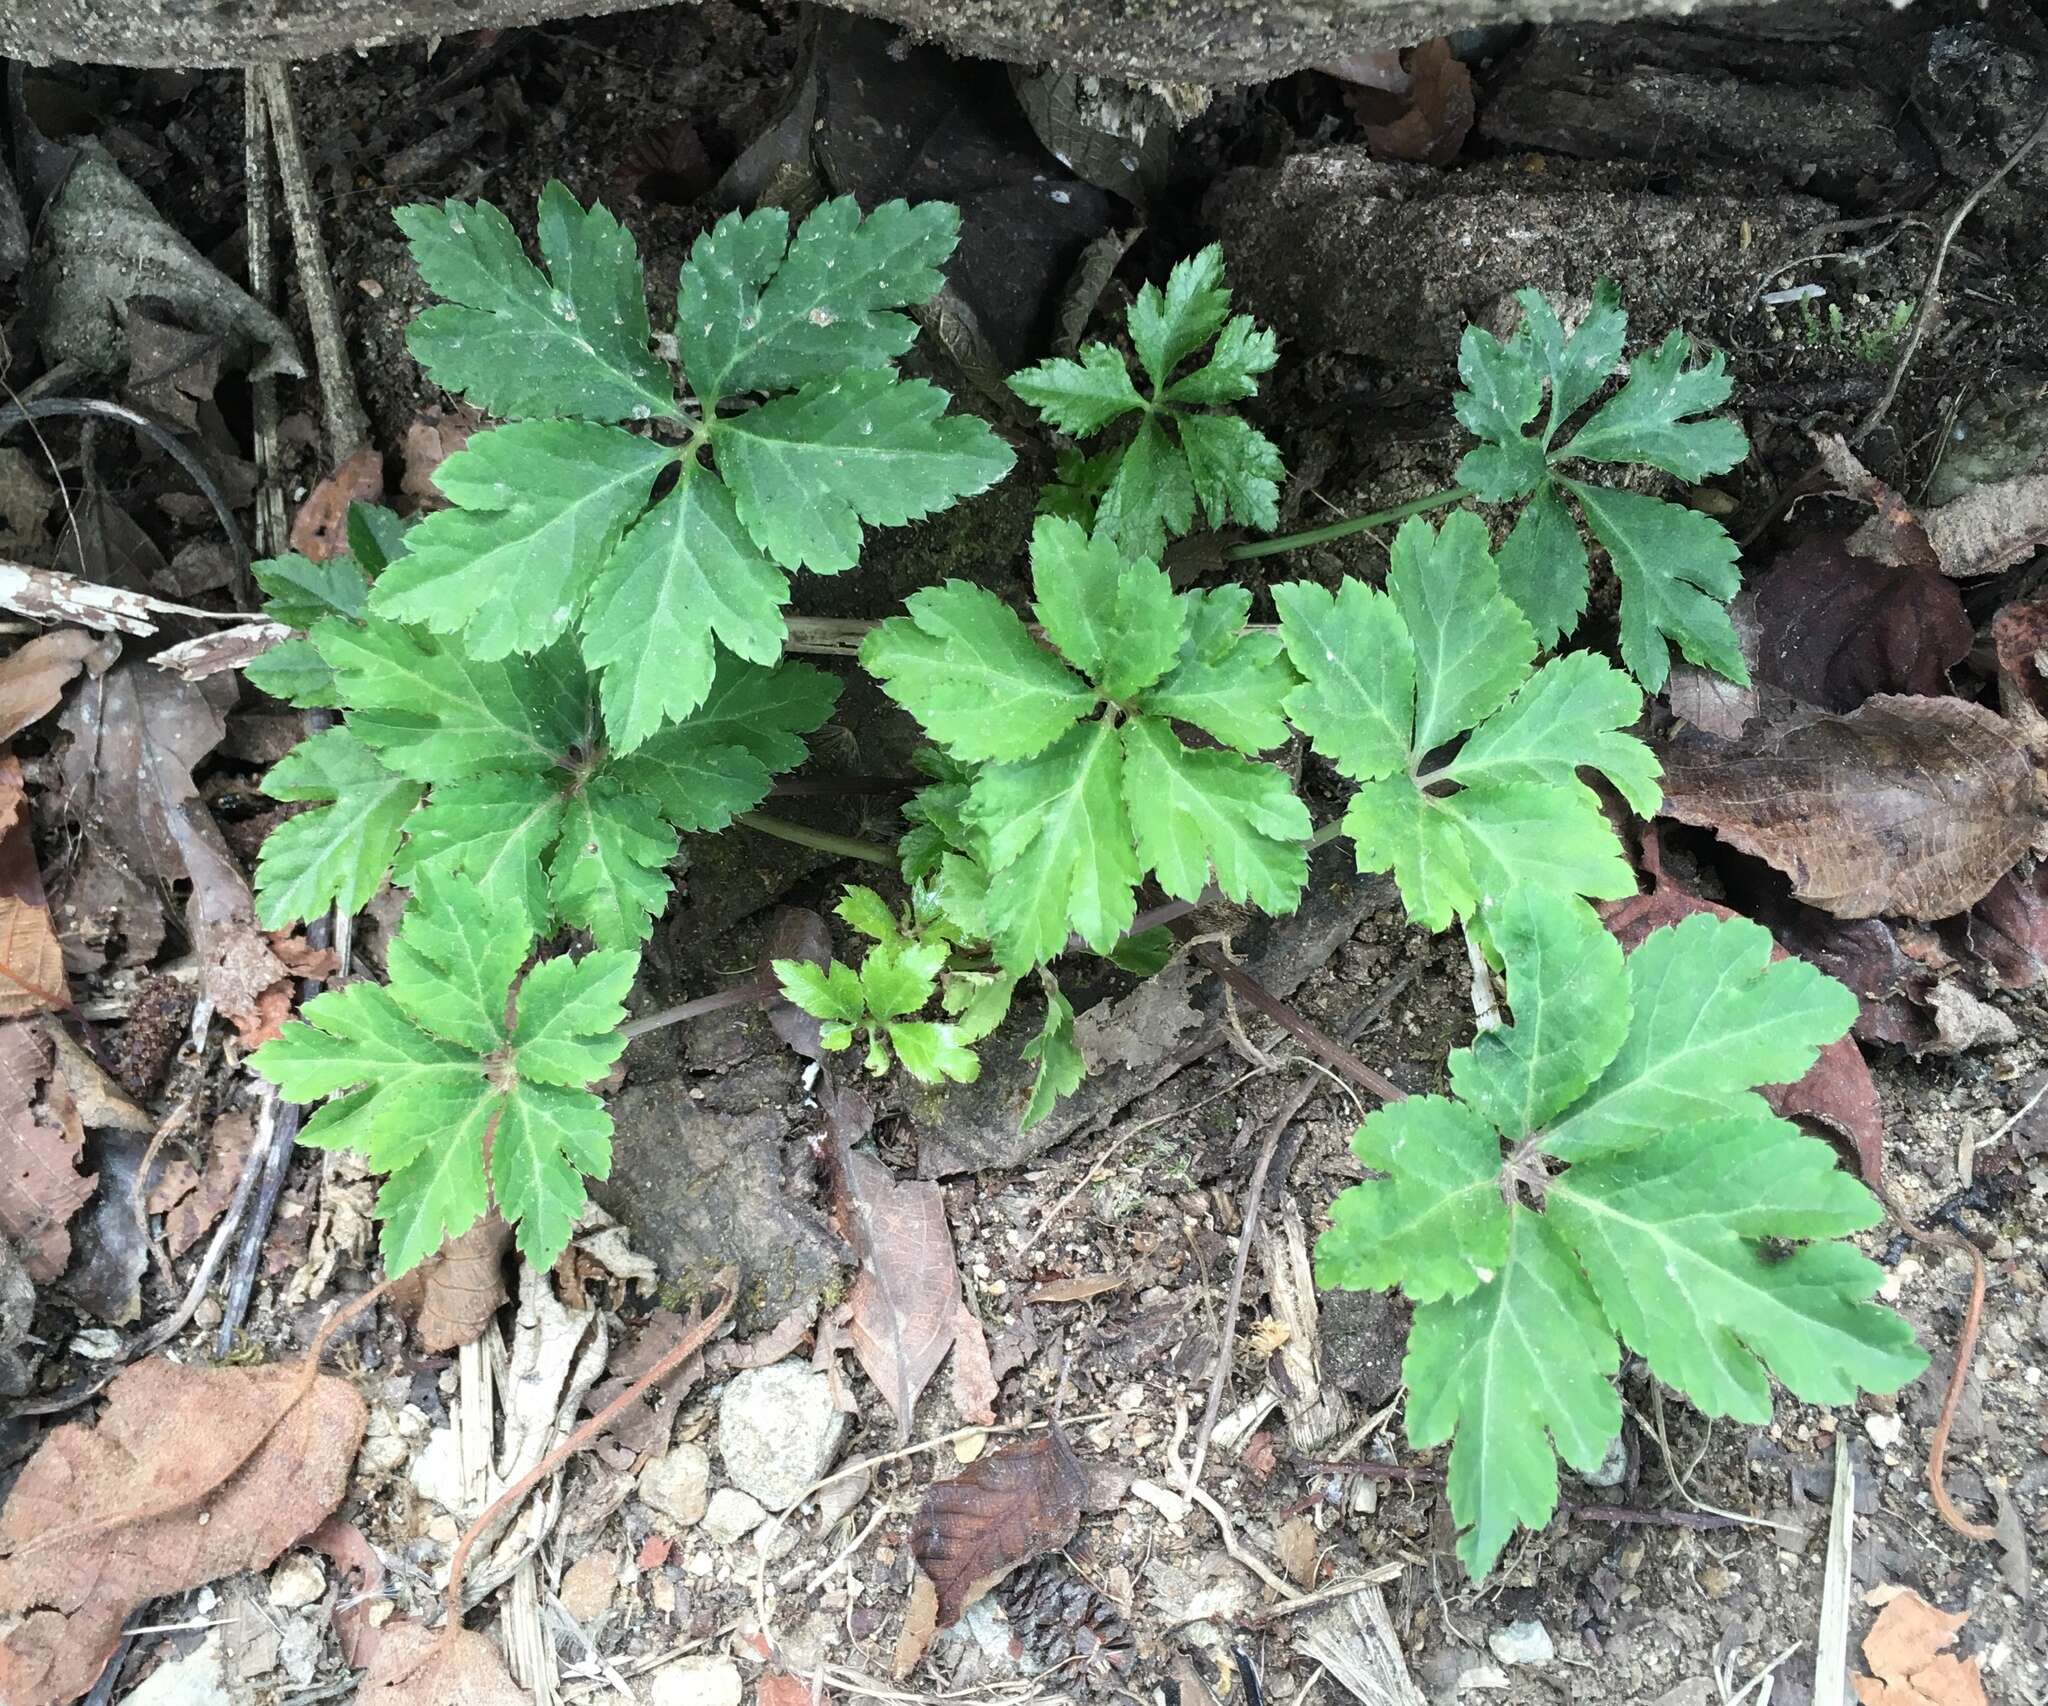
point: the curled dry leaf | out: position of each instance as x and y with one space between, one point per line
2019 640
1838 1091
1989 528
906 1299
429 441
359 1572
187 1221
107 1517
320 529
34 675
920 1623
1429 119
999 1512
31 958
2008 929
1834 628
1906 1652
40 1185
453 1294
974 1378
1907 805
416 1666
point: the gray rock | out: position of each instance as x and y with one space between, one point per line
1341 252
1613 1468
1523 1643
732 1515
1364 1334
778 1431
677 1484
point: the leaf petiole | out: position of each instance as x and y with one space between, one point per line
846 846
1344 529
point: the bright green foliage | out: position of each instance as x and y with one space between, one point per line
1144 491
497 772
1676 566
1608 1169
1060 1063
1084 786
1389 678
427 1067
554 527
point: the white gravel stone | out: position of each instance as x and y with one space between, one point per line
297 1582
1523 1643
778 1431
677 1484
696 1681
732 1515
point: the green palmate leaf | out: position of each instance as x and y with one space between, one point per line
292 671
517 341
1169 326
1394 826
767 712
1151 498
299 591
758 312
932 1052
1236 470
807 470
1352 652
1543 566
1242 352
1500 386
1569 995
1061 1066
433 1069
868 913
1669 1237
1575 366
336 854
1116 621
967 668
1569 714
1059 847
1516 1374
536 510
898 977
831 993
686 574
492 831
1713 1017
1208 811
1645 421
1227 683
1081 397
1667 1222
1472 648
1677 572
376 540
1437 1227
1525 832
609 871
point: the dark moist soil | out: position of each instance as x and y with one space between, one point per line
1368 270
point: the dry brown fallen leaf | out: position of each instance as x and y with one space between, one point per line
320 529
102 1520
1838 1090
2019 640
1430 119
1904 1650
34 675
920 1623
906 1299
40 1185
31 959
359 1581
1076 1290
974 1377
998 1512
779 1688
187 1220
452 1295
414 1666
1989 528
1907 805
430 440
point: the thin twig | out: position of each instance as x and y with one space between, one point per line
271 527
1248 1231
1311 1037
1925 311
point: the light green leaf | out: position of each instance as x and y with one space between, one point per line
1242 352
932 1053
807 469
766 711
1151 497
686 574
1236 470
1167 327
1570 713
1543 566
1677 573
452 963
1713 1016
1061 1066
1668 1236
696 782
1233 686
868 913
963 663
977 1002
359 1035
299 591
1471 645
1394 827
1198 811
1436 1226
831 993
1555 837
570 1010
1059 847
432 712
439 1194
337 854
898 977
548 1139
1645 421
609 871
519 343
750 318
1569 996
496 832
1356 703
1117 621
1516 1368
1079 397
293 670
537 509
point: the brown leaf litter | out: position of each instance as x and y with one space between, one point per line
1988 528
32 976
34 675
906 1299
40 1185
191 1200
320 529
103 1519
451 1296
999 1512
1906 1652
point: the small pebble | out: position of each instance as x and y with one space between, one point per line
1885 1431
677 1484
731 1515
695 1681
297 1582
1523 1643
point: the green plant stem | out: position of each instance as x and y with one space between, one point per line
1344 529
846 846
1327 834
